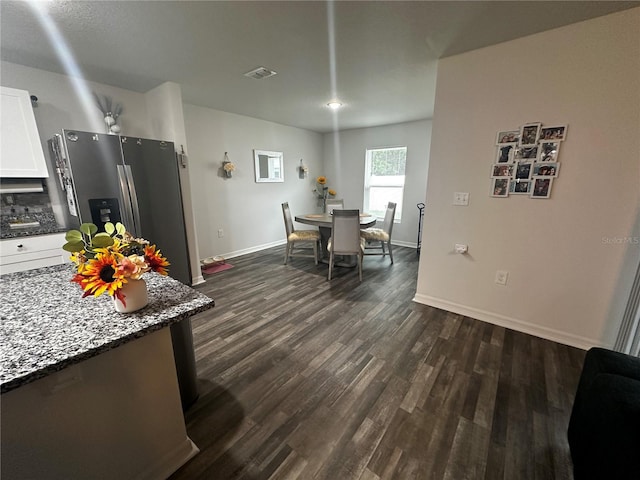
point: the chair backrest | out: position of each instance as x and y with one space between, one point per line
288 222
390 214
345 234
333 204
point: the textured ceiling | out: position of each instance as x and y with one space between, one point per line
379 58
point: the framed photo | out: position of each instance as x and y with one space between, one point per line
508 136
526 153
549 151
505 153
500 187
520 187
502 170
523 171
559 132
530 133
546 169
541 187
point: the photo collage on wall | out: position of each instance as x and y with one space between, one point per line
527 160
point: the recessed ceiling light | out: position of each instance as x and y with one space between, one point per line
334 105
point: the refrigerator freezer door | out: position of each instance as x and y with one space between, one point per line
93 159
153 174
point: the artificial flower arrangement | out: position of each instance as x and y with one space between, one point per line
322 191
108 260
227 165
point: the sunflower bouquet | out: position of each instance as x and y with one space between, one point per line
108 260
323 191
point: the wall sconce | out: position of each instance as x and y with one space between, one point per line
303 170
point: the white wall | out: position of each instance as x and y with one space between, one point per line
344 158
249 213
567 281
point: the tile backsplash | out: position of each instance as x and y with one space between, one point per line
24 214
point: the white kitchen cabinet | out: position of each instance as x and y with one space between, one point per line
27 253
21 154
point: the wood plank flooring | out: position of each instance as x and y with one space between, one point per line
301 378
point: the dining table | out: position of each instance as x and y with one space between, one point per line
324 222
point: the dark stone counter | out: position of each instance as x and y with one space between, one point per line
46 325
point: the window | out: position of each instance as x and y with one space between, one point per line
384 180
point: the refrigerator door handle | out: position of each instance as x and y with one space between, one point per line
137 228
127 213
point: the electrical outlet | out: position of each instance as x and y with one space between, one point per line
220 233
461 198
501 277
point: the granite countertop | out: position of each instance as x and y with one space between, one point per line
46 325
47 221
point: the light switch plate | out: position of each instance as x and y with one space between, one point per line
461 198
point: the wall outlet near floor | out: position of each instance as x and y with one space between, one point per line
501 277
220 233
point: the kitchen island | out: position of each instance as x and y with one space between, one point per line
88 392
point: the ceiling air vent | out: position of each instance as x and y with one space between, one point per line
260 73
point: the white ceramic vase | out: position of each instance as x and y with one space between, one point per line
135 296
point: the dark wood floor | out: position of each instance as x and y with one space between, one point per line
301 378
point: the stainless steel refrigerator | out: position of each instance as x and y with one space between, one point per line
111 178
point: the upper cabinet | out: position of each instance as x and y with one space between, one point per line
21 151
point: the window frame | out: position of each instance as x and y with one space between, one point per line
368 184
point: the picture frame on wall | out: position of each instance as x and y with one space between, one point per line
520 187
526 153
505 153
557 132
508 136
500 187
549 151
546 169
529 134
541 187
502 170
523 171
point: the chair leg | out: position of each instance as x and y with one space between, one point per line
330 264
315 252
286 253
360 258
390 252
382 247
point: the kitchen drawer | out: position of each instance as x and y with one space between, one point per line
27 253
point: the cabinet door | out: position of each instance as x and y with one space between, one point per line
27 253
21 152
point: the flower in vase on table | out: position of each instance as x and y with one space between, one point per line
106 261
322 190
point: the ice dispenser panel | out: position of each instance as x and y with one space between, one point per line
104 210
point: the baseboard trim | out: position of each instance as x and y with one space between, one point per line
257 248
400 243
508 322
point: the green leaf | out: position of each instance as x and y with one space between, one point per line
102 240
121 229
73 246
109 228
73 236
88 228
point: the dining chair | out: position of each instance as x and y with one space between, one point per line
332 204
298 236
373 235
345 237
